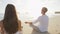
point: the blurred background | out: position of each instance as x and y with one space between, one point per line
29 10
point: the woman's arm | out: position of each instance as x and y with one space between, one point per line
19 26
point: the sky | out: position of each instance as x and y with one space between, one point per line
31 9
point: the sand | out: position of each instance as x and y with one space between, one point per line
54 27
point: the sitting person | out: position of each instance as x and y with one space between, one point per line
43 22
10 24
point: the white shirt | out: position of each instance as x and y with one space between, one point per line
43 23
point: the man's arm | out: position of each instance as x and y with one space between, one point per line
28 22
32 22
36 20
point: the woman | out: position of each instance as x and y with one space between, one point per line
10 23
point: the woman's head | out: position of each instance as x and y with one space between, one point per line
10 20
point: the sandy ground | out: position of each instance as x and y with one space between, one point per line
54 27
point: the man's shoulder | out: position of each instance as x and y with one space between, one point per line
39 17
47 17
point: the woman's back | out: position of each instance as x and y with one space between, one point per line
10 23
2 30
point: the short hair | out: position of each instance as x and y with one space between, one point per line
45 8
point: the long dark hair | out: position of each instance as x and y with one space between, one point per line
10 21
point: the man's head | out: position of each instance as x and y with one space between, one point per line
44 10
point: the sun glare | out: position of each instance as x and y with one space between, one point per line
31 9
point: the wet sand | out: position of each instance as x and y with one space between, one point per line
54 27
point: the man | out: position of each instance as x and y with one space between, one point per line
43 22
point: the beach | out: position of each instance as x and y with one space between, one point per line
54 27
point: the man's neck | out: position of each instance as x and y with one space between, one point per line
43 14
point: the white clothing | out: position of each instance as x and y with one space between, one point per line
43 23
